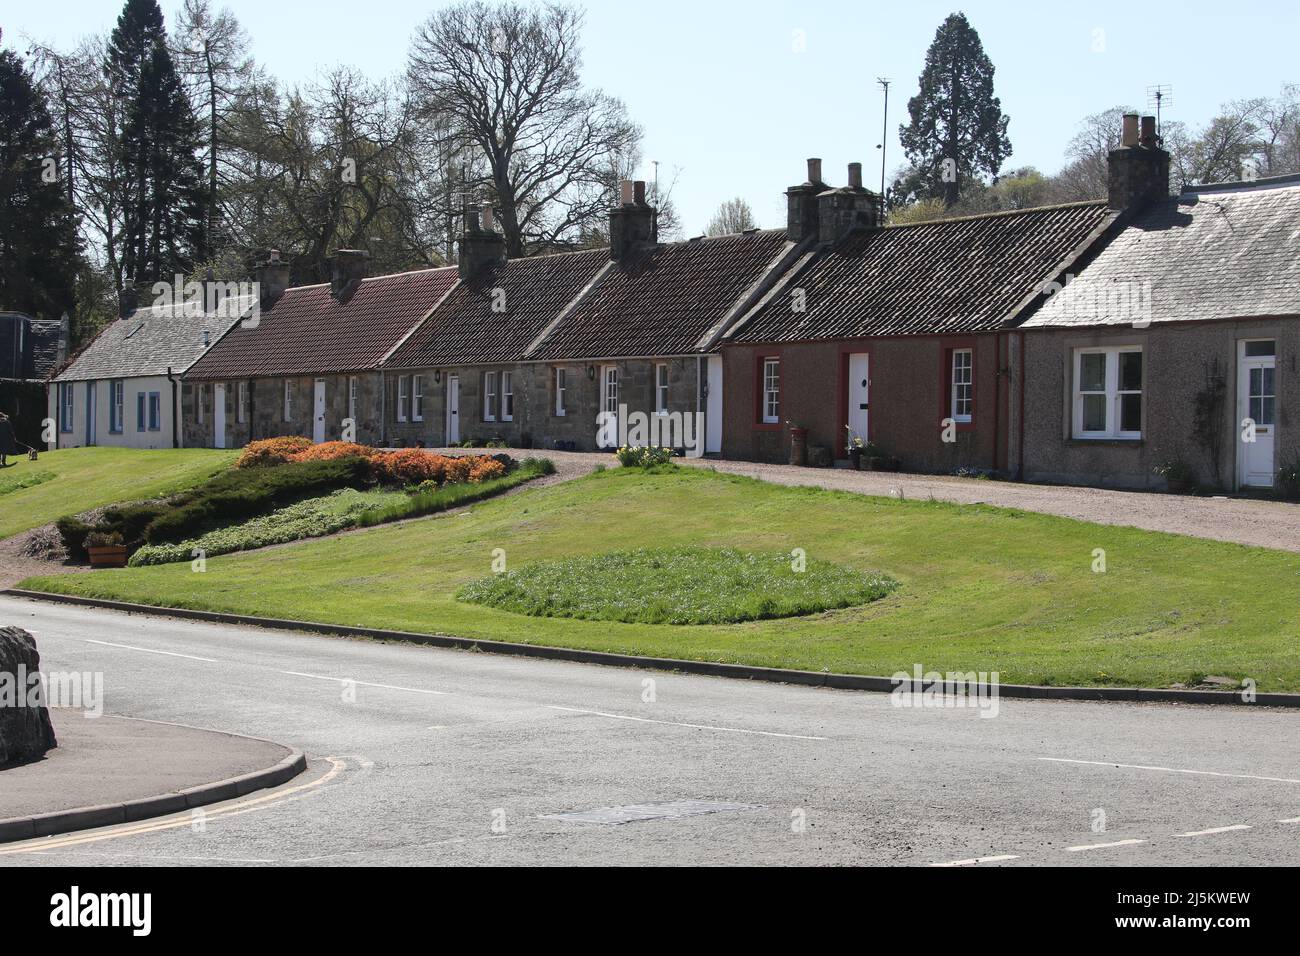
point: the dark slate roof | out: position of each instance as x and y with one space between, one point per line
952 276
29 348
309 332
1213 253
664 300
151 340
464 330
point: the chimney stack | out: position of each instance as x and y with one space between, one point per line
1139 167
347 268
840 211
272 277
481 245
128 300
632 224
801 204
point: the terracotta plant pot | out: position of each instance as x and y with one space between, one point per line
108 556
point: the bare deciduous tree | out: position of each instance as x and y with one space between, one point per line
732 216
505 78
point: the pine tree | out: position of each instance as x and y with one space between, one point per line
164 199
39 252
957 131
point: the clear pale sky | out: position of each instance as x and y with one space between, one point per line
724 96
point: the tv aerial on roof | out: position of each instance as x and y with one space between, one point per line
1160 98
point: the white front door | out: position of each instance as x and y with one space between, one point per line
90 413
318 414
609 401
219 416
858 391
453 409
713 419
1256 413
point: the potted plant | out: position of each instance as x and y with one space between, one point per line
798 443
1178 475
854 448
106 550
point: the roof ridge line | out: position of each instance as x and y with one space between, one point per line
1001 213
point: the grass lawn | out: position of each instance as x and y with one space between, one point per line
82 478
981 588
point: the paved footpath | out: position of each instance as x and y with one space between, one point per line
420 755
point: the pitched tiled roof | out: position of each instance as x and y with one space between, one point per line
1213 253
29 348
151 340
309 332
952 276
663 300
464 329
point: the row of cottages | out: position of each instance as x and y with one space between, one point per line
1086 343
30 351
529 351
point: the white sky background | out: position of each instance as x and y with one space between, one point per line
722 95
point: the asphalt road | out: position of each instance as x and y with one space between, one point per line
445 757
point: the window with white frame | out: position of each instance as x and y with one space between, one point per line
352 397
1108 392
417 398
117 410
771 391
200 397
489 396
65 407
962 395
661 388
507 396
403 397
288 400
560 388
241 402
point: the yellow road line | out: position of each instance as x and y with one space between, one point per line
43 844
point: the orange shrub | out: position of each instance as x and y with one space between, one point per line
330 450
485 469
271 451
458 469
409 466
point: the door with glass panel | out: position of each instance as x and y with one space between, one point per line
1256 413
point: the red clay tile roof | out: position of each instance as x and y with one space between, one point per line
464 330
954 276
664 300
309 332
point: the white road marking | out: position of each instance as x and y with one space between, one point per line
1199 833
1292 820
362 683
1102 846
978 859
1203 773
674 723
150 650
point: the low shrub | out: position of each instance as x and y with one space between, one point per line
643 457
272 451
429 499
486 469
100 539
331 450
409 466
74 531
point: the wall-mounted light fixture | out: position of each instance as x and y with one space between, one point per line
591 372
437 376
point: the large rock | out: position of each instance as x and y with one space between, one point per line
25 728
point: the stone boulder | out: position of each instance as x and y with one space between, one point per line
25 728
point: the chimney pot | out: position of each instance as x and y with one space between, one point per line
814 170
638 192
488 222
1148 134
855 175
628 192
1130 131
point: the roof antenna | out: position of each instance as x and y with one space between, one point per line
884 82
1159 97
